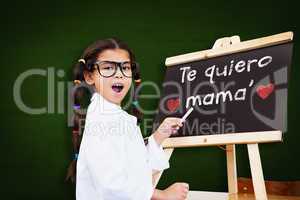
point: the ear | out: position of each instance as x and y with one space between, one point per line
88 77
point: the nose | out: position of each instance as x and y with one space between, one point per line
119 73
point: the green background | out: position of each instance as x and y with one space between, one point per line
36 149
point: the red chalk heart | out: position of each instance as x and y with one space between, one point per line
173 104
264 91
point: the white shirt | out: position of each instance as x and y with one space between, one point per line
113 162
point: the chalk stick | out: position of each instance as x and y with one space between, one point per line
187 114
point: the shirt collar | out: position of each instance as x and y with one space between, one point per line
104 104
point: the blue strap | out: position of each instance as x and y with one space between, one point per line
135 103
75 156
76 107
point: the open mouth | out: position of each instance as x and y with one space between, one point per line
117 87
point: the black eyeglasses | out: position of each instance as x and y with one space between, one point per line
109 68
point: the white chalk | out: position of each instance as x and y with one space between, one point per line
187 114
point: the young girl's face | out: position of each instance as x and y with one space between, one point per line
113 88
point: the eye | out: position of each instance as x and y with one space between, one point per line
107 66
126 68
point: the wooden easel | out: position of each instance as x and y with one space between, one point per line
251 139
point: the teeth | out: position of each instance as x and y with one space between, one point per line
118 84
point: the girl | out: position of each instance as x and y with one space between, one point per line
113 162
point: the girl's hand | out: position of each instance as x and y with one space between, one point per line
177 191
169 126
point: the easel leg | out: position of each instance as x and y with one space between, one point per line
257 172
231 169
157 176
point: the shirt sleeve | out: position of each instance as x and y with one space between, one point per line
157 158
106 163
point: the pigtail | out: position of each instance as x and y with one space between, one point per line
78 116
135 103
78 71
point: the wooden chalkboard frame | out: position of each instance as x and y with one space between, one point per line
250 138
233 48
232 138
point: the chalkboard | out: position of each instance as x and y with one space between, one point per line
235 93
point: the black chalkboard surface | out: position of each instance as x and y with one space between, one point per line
235 93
